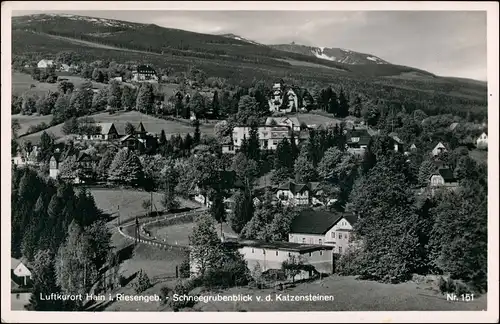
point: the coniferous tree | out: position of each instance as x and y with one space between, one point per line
115 95
253 152
44 283
343 108
197 133
145 98
216 105
128 101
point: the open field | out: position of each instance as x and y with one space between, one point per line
349 295
130 202
21 82
314 119
120 119
26 121
173 234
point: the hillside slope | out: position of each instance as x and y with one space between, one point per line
156 39
331 54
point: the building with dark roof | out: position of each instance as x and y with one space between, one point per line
358 140
144 73
443 178
323 228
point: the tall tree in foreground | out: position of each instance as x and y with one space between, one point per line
204 243
145 98
44 283
459 237
75 271
388 224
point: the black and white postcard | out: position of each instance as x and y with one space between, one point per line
249 161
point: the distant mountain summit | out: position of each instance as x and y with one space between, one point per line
331 54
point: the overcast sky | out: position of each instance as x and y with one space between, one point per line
448 43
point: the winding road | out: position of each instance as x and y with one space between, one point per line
128 229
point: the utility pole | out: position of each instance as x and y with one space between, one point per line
151 204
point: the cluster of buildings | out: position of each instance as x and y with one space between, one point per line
44 64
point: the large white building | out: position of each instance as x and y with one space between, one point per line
271 255
323 228
269 137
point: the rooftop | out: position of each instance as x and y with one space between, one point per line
283 246
310 221
446 173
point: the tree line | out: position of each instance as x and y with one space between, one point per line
61 233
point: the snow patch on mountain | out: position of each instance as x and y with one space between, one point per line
319 53
236 37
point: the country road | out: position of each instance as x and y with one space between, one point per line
128 229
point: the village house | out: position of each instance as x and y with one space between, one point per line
43 64
443 178
278 93
107 132
323 228
291 193
357 141
54 165
438 149
230 179
482 141
63 67
397 142
26 158
271 255
20 273
269 137
291 122
144 73
139 139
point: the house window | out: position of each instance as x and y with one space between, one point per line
340 236
18 296
333 234
289 254
252 250
276 253
320 252
275 142
346 237
320 241
264 252
303 240
310 253
340 249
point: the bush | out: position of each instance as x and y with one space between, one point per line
461 288
142 282
122 281
183 287
233 271
164 293
184 269
348 263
